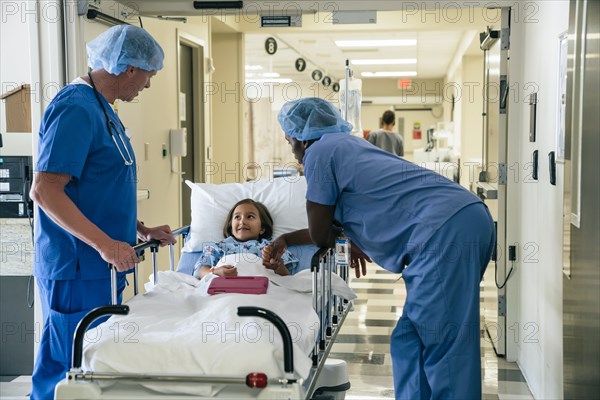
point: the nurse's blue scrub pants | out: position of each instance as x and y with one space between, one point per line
435 346
64 303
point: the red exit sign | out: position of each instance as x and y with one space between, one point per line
404 83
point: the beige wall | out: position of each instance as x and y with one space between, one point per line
471 120
389 87
270 146
267 139
227 109
466 83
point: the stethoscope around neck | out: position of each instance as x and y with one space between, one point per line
127 158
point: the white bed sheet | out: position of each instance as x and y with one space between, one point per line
177 328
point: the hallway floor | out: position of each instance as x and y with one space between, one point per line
364 343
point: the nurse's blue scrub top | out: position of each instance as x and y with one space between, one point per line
388 206
74 140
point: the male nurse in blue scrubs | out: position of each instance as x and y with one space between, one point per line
85 188
408 220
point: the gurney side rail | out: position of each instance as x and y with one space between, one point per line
135 377
85 322
288 350
153 245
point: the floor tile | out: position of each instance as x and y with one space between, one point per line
382 309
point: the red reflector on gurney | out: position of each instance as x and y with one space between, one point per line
256 380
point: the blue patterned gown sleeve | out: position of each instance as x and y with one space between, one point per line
211 254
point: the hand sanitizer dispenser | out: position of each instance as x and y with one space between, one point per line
178 141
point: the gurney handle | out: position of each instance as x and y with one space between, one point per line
154 244
139 250
316 258
86 322
288 351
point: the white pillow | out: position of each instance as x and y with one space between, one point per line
284 198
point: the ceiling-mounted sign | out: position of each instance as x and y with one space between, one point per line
271 21
271 46
317 75
335 87
354 17
300 64
326 81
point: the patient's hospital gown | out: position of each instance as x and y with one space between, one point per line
213 252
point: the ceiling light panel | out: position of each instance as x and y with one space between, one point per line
269 80
390 61
365 50
376 43
388 74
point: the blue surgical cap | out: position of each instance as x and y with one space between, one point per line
311 118
125 45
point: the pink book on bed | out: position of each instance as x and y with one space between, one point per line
239 284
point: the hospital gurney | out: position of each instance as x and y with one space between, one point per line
330 310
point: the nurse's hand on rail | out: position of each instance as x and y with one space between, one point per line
119 254
225 270
358 259
162 233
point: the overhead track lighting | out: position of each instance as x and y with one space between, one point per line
109 20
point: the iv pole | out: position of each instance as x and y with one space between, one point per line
346 83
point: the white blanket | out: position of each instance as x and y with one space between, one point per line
176 328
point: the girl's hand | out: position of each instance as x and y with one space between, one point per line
225 270
272 253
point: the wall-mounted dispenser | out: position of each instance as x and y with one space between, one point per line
178 144
178 141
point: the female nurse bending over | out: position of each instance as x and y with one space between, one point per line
408 220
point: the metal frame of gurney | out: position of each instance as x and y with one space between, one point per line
330 309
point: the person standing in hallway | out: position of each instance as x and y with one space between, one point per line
385 138
85 188
408 220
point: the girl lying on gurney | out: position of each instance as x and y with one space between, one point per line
247 229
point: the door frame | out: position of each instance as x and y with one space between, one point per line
199 47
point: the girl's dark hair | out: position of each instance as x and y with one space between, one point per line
266 220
